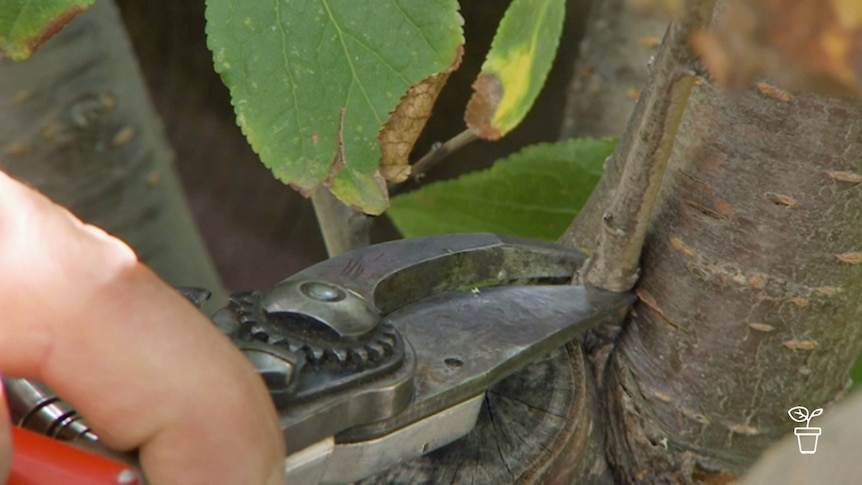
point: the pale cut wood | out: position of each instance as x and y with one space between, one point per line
526 420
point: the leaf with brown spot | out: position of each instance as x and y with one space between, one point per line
406 122
803 45
515 68
27 24
488 91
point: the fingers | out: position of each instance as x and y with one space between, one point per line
144 366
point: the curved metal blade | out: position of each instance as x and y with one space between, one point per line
466 342
393 274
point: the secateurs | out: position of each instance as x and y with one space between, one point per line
383 354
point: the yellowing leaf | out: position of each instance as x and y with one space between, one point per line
516 66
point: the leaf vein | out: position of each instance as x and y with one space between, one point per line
375 54
286 59
353 73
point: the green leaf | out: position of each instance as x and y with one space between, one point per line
313 81
26 24
516 66
534 193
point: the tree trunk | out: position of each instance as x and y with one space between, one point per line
749 295
78 124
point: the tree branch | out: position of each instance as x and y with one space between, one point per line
613 59
439 152
344 229
644 152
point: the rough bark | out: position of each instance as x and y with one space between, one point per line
77 124
749 296
719 347
643 153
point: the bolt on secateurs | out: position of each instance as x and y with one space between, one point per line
381 355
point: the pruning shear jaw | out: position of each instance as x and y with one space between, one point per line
395 344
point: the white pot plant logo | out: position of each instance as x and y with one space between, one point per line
805 435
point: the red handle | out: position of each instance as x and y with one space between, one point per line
40 460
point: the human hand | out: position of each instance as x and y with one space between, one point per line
143 365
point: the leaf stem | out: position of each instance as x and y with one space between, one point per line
343 228
441 151
644 151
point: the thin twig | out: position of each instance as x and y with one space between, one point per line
644 150
344 229
441 151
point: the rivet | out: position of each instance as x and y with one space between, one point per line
320 291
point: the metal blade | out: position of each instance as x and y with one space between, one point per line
466 342
391 275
